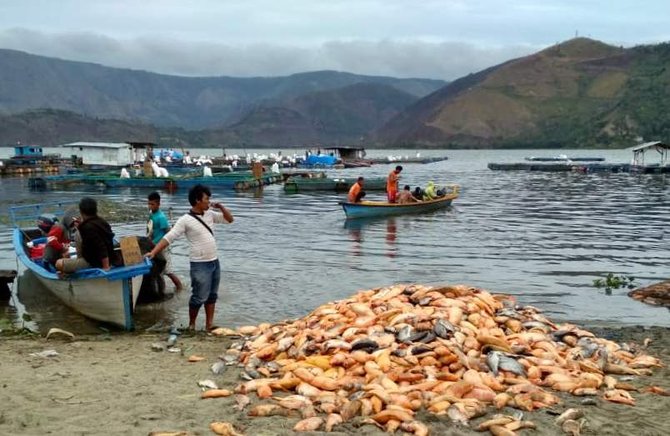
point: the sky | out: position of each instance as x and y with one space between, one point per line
444 39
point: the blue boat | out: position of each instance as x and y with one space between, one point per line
107 296
370 209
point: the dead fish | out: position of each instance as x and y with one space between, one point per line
242 401
405 333
493 361
571 413
208 384
230 359
418 336
218 367
509 312
457 416
430 337
588 347
367 345
250 374
571 427
444 329
497 361
57 331
420 349
224 429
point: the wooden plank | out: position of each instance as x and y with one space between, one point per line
130 251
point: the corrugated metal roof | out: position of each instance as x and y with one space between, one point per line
98 144
649 145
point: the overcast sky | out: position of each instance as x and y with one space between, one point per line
416 38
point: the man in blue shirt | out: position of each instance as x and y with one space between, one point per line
157 227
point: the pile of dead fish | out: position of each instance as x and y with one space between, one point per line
385 354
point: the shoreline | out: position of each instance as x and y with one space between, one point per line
115 382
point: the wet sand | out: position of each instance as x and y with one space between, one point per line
116 384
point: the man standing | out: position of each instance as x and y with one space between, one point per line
355 192
392 184
157 227
205 266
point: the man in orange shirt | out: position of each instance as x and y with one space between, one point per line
355 192
392 184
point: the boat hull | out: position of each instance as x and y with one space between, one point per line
371 209
107 296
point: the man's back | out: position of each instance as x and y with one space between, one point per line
97 240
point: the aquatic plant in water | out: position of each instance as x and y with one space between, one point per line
612 281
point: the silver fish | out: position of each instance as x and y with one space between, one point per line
457 416
208 384
588 347
444 329
365 344
405 333
218 367
493 361
497 361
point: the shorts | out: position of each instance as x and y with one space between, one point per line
392 196
168 261
74 264
205 278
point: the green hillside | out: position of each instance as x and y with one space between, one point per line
581 93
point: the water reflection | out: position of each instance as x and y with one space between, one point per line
357 228
391 230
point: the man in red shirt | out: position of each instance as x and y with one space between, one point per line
392 184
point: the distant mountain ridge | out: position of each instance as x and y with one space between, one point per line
29 82
581 93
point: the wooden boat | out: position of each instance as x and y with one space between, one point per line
300 184
107 296
369 209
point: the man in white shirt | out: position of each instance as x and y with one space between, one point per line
205 267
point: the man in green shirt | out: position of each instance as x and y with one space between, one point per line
157 227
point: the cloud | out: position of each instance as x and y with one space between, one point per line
388 57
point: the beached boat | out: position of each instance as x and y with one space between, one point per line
107 296
301 184
369 209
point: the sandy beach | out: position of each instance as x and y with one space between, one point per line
116 384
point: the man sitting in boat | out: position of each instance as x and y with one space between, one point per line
356 192
430 193
97 241
406 196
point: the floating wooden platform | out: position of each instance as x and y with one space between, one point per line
237 180
564 159
593 167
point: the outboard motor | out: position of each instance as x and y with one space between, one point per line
153 284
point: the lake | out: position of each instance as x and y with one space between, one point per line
542 237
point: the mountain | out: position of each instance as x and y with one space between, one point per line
29 82
340 115
49 127
581 93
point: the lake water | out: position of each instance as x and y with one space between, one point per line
543 237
